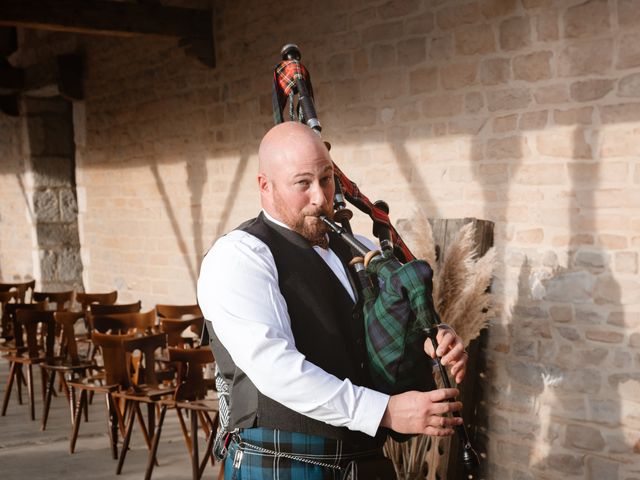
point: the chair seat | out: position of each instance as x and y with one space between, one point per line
145 394
200 405
61 365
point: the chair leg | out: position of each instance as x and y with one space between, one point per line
32 402
127 439
47 399
185 432
113 420
208 454
151 461
76 420
195 462
20 381
7 392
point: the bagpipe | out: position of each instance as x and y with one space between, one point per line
397 288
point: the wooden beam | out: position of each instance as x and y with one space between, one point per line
193 27
106 17
61 75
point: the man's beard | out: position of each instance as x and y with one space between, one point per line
306 223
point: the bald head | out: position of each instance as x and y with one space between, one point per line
295 178
284 143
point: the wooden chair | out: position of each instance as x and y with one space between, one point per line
178 311
10 296
62 300
190 394
175 328
142 386
120 323
68 364
36 322
16 346
115 374
23 288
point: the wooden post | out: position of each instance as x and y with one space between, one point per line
444 455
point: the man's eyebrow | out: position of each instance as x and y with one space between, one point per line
328 168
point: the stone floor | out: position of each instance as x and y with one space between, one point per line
26 452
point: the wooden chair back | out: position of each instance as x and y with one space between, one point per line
38 325
121 323
191 382
107 309
178 311
175 327
11 310
21 287
63 300
10 296
143 372
68 345
85 299
113 357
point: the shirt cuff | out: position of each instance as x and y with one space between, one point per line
368 419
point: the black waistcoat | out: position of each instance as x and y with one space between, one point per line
327 327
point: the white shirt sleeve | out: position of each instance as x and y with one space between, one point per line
238 292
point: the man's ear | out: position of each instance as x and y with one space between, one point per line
263 183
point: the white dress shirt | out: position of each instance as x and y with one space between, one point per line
238 292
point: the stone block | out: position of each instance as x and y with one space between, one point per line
532 67
45 205
68 205
48 264
495 71
588 90
634 340
541 174
604 411
477 39
569 333
54 234
626 262
568 144
629 86
514 147
507 123
525 373
584 438
533 120
441 48
588 19
590 259
51 171
70 265
398 8
458 75
473 102
613 242
625 112
547 26
561 313
602 468
515 33
423 80
455 16
575 287
443 106
629 51
497 8
620 142
574 116
585 57
551 94
382 32
383 56
604 336
628 13
411 51
508 99
420 24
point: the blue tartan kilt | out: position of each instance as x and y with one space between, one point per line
256 464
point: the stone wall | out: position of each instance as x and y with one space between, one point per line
16 213
522 112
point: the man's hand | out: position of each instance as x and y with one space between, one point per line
422 412
450 350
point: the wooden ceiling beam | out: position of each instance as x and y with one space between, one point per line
106 17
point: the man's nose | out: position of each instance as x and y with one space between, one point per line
317 194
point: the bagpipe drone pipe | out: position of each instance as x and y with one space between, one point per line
397 288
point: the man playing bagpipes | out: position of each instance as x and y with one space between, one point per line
286 317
